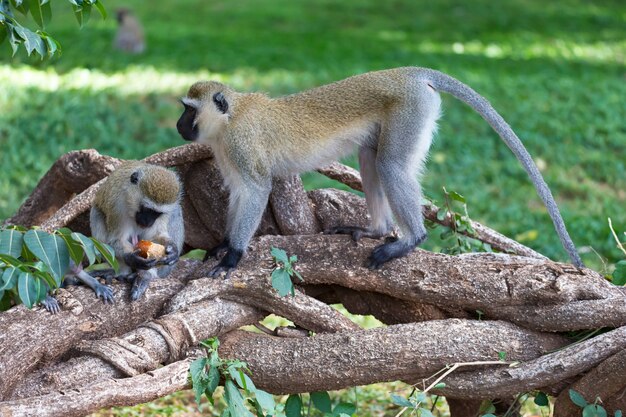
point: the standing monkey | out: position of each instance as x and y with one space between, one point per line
129 36
139 201
389 115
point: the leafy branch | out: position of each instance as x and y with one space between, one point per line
284 271
39 41
33 262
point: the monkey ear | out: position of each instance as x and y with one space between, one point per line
220 102
134 177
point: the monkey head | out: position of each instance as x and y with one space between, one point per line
206 113
147 192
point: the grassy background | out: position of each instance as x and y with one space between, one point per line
555 71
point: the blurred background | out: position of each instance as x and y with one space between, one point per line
555 70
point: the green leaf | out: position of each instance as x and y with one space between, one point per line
196 370
101 9
51 43
401 401
502 356
234 400
441 214
107 253
82 13
618 413
541 399
75 248
266 401
619 275
11 242
41 12
213 380
321 401
440 385
32 41
456 196
424 412
242 379
87 244
51 250
9 260
21 6
488 415
594 410
293 406
281 281
9 278
344 408
279 255
28 288
577 399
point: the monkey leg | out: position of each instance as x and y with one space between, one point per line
402 149
51 304
141 283
246 208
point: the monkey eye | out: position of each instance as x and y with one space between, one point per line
134 177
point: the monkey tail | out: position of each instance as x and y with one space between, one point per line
443 82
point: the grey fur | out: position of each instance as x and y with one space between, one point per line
447 84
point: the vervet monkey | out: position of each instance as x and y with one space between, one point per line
129 36
139 201
390 116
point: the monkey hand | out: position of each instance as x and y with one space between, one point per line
171 255
135 261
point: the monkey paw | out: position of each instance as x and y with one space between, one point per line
51 304
219 270
388 251
105 293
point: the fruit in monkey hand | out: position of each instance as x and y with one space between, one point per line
150 250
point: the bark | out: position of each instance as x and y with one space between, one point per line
69 175
31 337
107 393
606 381
92 355
543 371
164 340
340 360
487 282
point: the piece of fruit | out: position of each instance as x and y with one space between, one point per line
150 250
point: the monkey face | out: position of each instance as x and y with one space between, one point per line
187 126
146 217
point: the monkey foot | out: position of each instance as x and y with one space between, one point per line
51 304
388 251
219 270
105 293
355 231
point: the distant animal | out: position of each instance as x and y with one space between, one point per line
129 37
389 115
139 201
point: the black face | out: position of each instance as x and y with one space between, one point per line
185 124
146 217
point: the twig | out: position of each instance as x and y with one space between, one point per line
619 244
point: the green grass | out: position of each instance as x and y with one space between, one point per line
555 71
